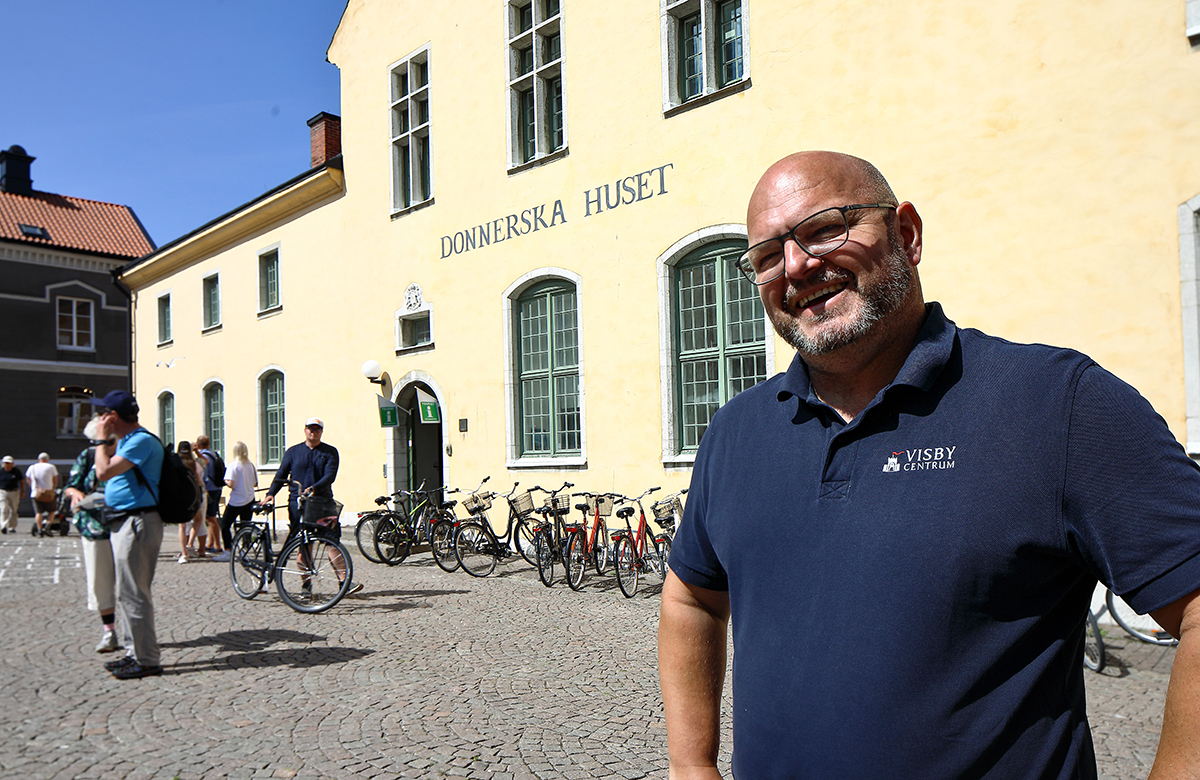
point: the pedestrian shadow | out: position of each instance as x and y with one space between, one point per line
293 657
411 599
252 640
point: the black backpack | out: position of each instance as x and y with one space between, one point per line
218 467
177 493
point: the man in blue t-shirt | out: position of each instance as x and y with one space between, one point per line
129 459
945 501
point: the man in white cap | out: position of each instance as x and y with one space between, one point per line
11 489
43 481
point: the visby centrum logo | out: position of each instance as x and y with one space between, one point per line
921 459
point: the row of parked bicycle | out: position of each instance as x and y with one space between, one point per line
540 529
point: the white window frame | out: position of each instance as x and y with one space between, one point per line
217 438
415 309
166 331
263 449
714 85
164 395
513 459
208 322
78 397
405 97
263 259
532 46
672 454
1192 28
75 329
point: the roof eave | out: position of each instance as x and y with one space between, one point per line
267 210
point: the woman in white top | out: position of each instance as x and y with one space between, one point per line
241 478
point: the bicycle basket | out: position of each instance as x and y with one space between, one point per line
668 510
477 502
523 504
604 503
321 512
562 502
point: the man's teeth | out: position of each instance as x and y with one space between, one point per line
822 292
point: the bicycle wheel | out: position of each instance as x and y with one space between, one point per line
1093 644
248 563
543 546
602 552
524 541
1143 628
393 540
575 562
364 536
660 556
474 547
441 544
312 574
626 563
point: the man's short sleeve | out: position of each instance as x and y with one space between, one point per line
693 558
1131 503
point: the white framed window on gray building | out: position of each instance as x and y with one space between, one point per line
705 51
76 324
164 318
535 85
269 299
412 172
74 410
211 302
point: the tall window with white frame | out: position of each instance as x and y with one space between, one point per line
720 336
214 416
268 281
75 324
164 319
271 403
412 178
212 301
703 47
547 356
166 418
535 79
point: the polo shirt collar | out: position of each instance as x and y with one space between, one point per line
921 368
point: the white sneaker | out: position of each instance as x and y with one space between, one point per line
108 643
355 588
183 558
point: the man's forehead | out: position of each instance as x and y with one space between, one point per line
800 185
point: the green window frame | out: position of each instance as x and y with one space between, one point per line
412 175
729 43
271 400
164 319
214 417
536 99
720 337
546 331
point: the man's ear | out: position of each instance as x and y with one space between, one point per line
908 226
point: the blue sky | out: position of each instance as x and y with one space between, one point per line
180 110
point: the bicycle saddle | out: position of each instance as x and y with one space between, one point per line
625 512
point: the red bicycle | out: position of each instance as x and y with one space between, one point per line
638 552
589 545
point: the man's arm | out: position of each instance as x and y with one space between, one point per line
1179 746
692 630
330 471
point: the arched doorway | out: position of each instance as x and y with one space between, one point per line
417 443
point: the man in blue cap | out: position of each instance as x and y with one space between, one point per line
124 450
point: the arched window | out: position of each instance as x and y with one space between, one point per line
271 402
714 322
166 418
214 416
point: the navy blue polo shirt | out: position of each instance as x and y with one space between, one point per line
908 590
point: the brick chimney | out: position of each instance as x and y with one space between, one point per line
326 137
14 170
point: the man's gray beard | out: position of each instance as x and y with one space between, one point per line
879 300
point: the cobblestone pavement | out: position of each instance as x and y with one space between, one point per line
428 674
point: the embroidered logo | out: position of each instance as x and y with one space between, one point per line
921 459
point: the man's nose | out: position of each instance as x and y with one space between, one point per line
796 262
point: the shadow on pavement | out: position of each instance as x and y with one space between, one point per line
294 657
256 639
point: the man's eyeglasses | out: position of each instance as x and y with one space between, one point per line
817 235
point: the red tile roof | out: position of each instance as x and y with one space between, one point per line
73 223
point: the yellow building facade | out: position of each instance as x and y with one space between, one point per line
531 223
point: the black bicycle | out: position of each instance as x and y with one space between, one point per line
312 572
477 547
551 533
